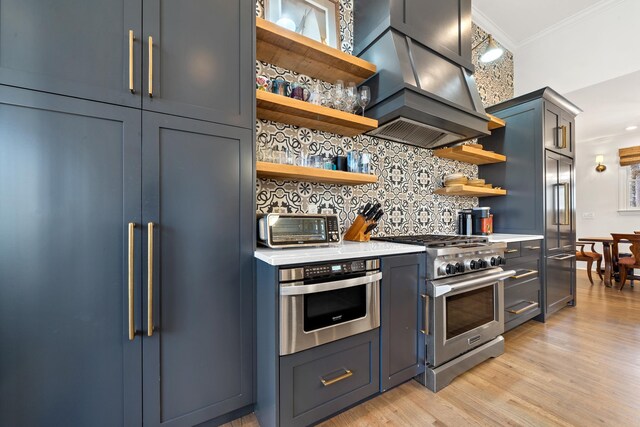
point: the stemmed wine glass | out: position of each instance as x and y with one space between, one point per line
364 97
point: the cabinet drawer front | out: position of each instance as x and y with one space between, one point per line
323 380
531 248
525 272
513 250
522 300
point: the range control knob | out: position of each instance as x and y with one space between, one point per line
472 265
494 261
482 263
501 261
450 269
460 267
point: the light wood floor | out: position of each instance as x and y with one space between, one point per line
581 368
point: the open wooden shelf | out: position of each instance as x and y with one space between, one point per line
468 190
303 173
291 111
293 51
495 122
470 154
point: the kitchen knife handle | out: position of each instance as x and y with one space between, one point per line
130 277
131 39
150 279
150 67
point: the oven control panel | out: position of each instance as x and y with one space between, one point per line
334 269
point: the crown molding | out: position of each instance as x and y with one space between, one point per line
597 7
484 22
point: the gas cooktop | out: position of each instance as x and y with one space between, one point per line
434 240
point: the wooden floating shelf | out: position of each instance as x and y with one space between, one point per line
468 190
293 51
303 173
291 111
468 154
495 122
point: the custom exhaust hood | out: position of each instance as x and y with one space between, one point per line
424 93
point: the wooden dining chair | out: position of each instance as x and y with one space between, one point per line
626 264
589 257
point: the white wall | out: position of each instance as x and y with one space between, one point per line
588 50
597 193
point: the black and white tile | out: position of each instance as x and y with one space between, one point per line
407 175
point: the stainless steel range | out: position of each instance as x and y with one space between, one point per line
464 314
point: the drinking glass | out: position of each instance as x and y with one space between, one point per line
364 97
338 94
350 98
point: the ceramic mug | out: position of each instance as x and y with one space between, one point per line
281 87
263 83
300 92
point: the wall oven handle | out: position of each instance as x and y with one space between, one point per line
470 284
329 286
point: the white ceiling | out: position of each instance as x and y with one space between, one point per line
609 107
519 21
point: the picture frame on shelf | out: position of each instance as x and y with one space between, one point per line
317 19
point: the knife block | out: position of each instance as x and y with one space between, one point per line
355 233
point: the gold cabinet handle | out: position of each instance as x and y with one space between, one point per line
327 383
533 248
527 274
131 39
564 136
150 279
132 330
150 67
510 251
532 304
425 297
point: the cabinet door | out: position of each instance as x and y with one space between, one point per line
558 130
552 196
402 319
72 47
202 63
198 190
567 134
566 203
69 184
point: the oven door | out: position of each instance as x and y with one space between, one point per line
465 312
315 314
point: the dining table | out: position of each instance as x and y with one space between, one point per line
606 242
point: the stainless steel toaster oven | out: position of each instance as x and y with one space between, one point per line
298 230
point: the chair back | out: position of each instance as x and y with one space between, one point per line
633 239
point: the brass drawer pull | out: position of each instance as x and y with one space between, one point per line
533 248
532 304
150 67
527 274
131 39
327 383
130 277
510 251
150 279
425 331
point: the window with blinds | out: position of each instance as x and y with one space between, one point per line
630 187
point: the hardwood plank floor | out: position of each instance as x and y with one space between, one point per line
581 368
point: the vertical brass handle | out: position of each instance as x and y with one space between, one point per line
327 383
150 279
150 67
564 136
567 204
425 297
131 39
132 331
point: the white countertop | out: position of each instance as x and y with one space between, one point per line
508 238
343 251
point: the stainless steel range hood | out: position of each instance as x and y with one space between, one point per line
424 93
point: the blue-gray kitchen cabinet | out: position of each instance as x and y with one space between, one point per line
70 184
198 192
402 319
190 58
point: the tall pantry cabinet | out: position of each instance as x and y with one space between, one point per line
126 211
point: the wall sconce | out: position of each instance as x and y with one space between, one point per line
491 52
599 160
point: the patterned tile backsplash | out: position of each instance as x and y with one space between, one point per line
407 175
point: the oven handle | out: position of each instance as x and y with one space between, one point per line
472 283
329 286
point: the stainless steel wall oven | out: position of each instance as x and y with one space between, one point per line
327 302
